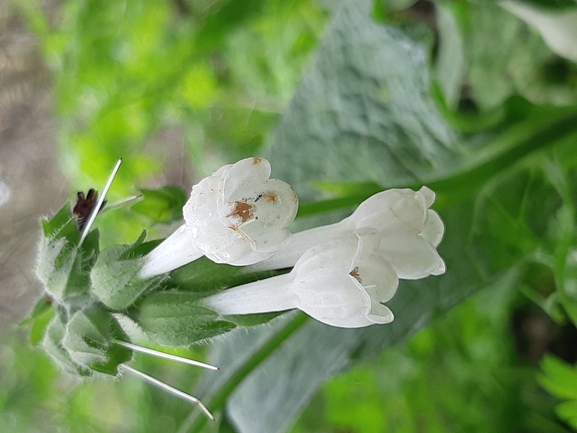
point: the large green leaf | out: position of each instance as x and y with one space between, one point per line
363 112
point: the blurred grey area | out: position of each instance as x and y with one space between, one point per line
30 183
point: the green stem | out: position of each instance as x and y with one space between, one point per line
522 139
218 399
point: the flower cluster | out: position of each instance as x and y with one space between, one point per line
342 273
342 282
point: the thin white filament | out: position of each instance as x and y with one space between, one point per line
122 202
168 389
100 201
165 355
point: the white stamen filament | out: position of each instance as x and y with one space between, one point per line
168 388
96 208
159 354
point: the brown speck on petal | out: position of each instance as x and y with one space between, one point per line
355 274
256 161
242 210
268 196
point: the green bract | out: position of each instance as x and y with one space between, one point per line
89 340
53 346
86 291
172 318
63 265
113 276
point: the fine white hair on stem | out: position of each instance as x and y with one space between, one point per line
96 208
169 356
170 389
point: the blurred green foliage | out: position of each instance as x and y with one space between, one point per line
474 104
126 70
461 373
560 379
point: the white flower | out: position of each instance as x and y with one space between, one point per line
409 233
342 282
236 216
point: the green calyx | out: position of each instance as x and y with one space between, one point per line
86 291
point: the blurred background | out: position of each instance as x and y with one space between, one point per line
180 87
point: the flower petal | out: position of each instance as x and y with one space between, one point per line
331 298
344 281
238 215
412 257
274 208
175 251
244 178
428 195
433 229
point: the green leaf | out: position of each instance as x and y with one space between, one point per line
570 307
64 268
41 306
552 4
51 227
163 205
363 113
39 319
175 319
229 15
203 276
450 64
89 339
52 345
114 276
341 189
39 327
560 378
567 411
504 59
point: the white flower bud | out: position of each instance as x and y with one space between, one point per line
342 282
408 231
236 216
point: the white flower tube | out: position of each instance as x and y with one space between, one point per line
342 282
409 233
236 216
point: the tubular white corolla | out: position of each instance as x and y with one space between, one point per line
342 282
409 233
236 216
